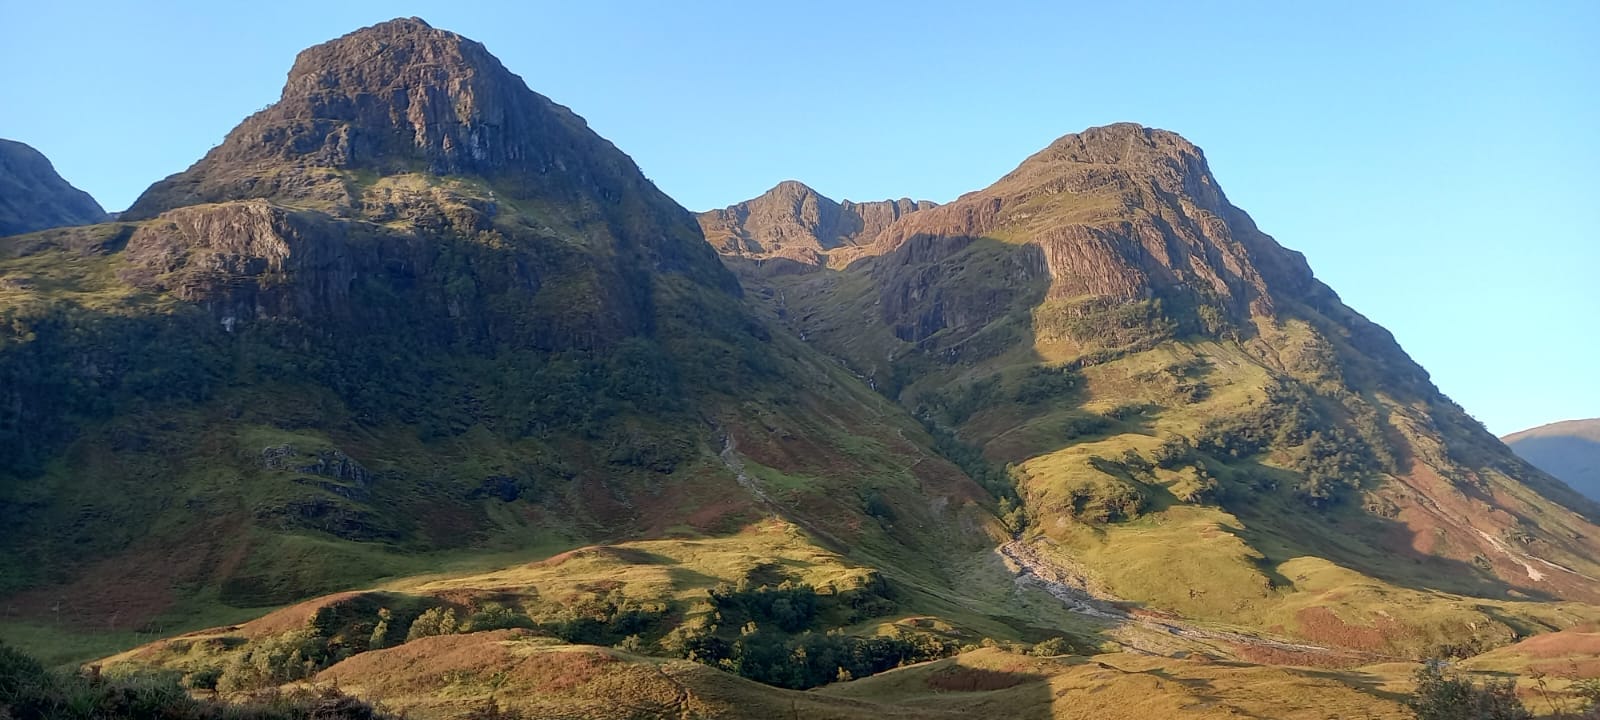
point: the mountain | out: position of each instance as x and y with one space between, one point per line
1186 417
413 313
1568 450
33 197
417 386
794 222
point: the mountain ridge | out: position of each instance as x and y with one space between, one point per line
796 223
1567 449
34 197
1112 245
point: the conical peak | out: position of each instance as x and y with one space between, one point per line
397 53
1119 143
402 96
1118 158
395 89
792 189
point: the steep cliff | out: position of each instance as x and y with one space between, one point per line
33 197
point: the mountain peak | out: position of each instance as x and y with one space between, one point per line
795 222
400 96
33 197
1120 153
404 98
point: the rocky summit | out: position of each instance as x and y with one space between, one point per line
416 389
795 223
33 197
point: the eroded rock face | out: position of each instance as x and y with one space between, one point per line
1121 212
33 197
403 97
434 278
794 222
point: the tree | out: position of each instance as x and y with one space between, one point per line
1444 695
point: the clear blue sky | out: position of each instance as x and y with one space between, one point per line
1435 161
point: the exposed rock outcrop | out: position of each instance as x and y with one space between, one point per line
794 222
33 197
1122 213
404 97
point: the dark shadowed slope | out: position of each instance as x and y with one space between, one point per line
33 197
1569 450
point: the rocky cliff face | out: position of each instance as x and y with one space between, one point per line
403 97
1119 214
794 222
33 197
336 189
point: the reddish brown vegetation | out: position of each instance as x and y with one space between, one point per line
1320 625
1264 655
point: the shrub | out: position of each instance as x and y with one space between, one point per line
604 619
1042 383
1443 695
28 691
272 661
494 616
1051 648
1174 452
790 606
1079 426
435 621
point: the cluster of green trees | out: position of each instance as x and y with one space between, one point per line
1048 383
29 691
1109 325
1334 458
740 626
808 659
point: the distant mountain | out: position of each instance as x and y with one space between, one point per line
1569 450
793 222
33 197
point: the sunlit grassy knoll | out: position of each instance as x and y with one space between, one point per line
997 684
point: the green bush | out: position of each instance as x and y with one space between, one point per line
28 691
1174 452
810 659
604 619
273 661
434 621
1046 383
495 616
1443 695
1084 425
